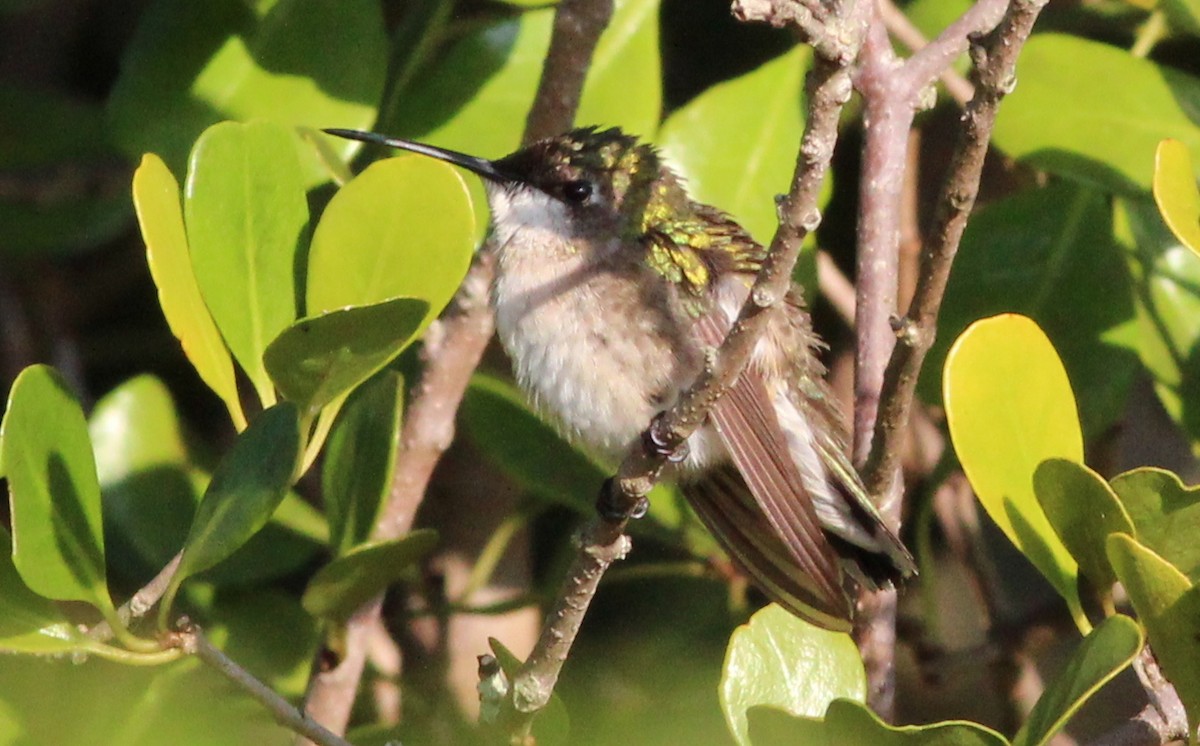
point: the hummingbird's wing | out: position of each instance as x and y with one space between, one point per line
766 518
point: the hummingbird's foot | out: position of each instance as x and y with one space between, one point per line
615 511
655 441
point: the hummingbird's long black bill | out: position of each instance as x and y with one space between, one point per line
485 168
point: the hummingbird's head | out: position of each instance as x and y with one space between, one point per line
578 185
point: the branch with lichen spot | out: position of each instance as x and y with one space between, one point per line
603 541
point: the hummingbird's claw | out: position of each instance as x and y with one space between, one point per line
615 510
656 442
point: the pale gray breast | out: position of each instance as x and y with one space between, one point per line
596 346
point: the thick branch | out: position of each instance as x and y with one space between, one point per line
996 58
603 540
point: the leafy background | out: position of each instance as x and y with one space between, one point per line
1069 235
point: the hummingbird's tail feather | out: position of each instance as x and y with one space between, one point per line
723 502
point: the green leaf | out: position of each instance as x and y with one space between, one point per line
1167 276
247 486
58 539
1183 15
1009 407
736 164
1049 254
62 193
404 227
1168 606
1175 192
848 723
1083 510
1103 654
323 358
28 622
1165 515
269 634
345 584
359 460
156 199
1128 103
246 219
624 83
297 63
780 660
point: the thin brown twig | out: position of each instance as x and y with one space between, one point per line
603 541
906 32
192 641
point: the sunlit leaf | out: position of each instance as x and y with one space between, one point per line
1083 510
404 227
246 218
28 622
1103 654
323 358
58 539
849 723
156 199
780 660
248 484
359 458
1009 407
294 62
1175 192
1127 104
1168 606
737 164
365 571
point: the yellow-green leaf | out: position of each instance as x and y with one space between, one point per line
156 199
1009 407
1175 192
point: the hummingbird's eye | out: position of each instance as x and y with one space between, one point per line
577 191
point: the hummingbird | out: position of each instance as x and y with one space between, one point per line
611 286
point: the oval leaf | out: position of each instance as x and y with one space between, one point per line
1095 87
58 537
1103 654
780 660
848 722
190 65
246 217
245 489
356 474
1175 192
344 585
404 227
1083 510
28 622
322 358
1009 407
735 164
1165 515
156 199
1168 606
